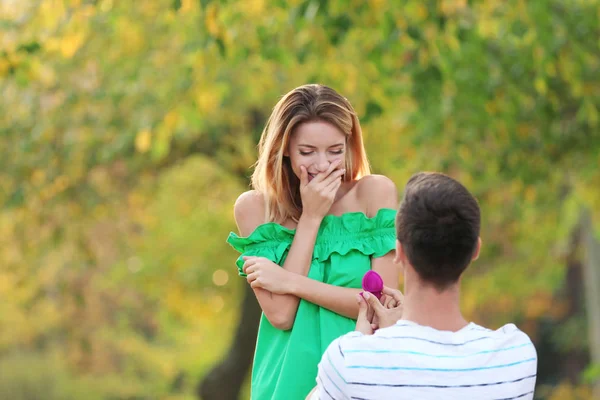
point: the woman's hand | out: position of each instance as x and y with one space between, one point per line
318 194
265 274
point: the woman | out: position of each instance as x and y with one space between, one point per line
317 212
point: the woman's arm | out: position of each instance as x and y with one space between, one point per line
375 192
340 299
280 309
317 197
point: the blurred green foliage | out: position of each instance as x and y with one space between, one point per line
128 128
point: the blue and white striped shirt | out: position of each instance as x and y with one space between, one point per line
410 361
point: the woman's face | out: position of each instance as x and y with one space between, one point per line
315 145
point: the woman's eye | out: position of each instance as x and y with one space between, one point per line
337 152
305 153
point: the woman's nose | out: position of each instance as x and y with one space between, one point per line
322 166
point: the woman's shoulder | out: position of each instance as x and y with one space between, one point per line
249 211
250 200
376 192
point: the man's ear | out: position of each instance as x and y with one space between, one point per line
477 249
400 257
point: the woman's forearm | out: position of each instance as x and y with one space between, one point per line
280 309
338 299
299 257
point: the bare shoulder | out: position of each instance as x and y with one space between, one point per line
249 211
376 192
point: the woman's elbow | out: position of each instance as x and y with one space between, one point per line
281 321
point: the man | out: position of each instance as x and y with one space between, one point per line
423 348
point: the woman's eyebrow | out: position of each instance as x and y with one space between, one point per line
314 147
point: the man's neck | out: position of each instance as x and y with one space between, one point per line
426 306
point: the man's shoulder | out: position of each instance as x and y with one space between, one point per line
509 330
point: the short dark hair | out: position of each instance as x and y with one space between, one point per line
438 226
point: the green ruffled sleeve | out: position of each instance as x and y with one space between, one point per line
374 236
269 240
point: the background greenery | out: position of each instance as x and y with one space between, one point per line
127 130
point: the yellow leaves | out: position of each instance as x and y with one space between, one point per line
424 57
422 11
4 66
131 35
571 392
452 42
550 69
590 113
252 8
416 11
106 5
540 85
187 6
7 282
538 305
143 140
164 133
43 73
38 177
451 7
170 120
377 4
207 101
55 188
430 31
488 28
211 19
530 194
490 107
530 37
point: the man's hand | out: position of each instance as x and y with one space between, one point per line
364 320
373 315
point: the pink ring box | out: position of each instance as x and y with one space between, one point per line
373 283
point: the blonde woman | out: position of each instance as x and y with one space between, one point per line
315 222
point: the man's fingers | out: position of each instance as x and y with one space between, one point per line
373 302
362 306
389 302
396 294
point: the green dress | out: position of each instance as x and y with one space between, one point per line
285 362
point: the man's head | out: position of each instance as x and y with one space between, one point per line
437 228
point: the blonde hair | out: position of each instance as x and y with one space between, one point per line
273 175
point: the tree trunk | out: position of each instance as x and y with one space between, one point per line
225 380
591 273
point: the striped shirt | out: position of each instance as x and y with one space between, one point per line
410 361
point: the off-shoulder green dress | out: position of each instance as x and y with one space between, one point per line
285 362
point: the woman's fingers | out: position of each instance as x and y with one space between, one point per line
324 175
334 177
